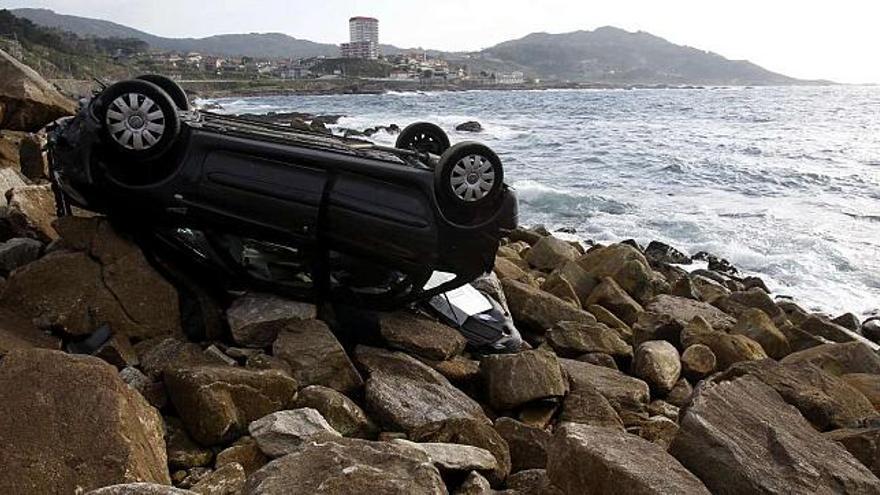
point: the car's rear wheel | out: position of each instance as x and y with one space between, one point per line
423 137
469 175
170 86
139 119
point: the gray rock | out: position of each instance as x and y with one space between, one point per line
657 362
822 327
341 413
739 436
664 253
612 462
684 310
528 445
469 126
255 319
349 466
283 432
226 480
455 457
514 379
848 321
467 431
421 336
531 481
862 443
28 101
551 252
140 489
18 252
475 484
316 357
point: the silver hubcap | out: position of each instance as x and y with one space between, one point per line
135 121
472 177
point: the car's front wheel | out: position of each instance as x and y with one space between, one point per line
138 119
423 137
468 176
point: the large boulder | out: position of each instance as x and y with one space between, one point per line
31 211
404 394
27 101
570 339
284 432
611 296
100 278
342 413
737 302
866 383
17 332
684 310
551 252
316 357
624 393
468 431
514 379
349 466
217 403
756 325
862 443
596 460
697 361
740 436
728 349
825 328
69 422
537 310
826 401
658 363
455 457
839 359
255 319
421 336
627 266
571 273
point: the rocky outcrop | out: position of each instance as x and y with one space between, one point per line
69 422
611 462
27 101
349 466
862 443
739 436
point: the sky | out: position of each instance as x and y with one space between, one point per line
811 39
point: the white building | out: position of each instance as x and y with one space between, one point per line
363 38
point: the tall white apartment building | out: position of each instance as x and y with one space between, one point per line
363 38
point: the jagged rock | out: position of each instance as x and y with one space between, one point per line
608 318
728 349
611 296
739 301
623 392
341 413
404 394
626 265
17 332
18 252
664 253
826 401
455 457
527 444
684 310
182 452
421 336
862 443
316 357
284 432
244 452
349 466
684 287
506 269
581 282
31 211
514 379
798 339
537 311
866 383
68 422
599 359
570 339
475 484
681 393
524 234
611 462
659 430
838 359
227 480
658 363
215 353
586 405
756 325
739 436
27 101
820 326
561 288
469 126
697 361
217 403
550 252
140 489
708 289
848 321
468 431
255 319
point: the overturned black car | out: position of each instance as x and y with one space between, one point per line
259 206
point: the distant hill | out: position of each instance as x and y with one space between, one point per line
613 55
605 55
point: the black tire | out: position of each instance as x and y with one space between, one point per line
469 175
139 120
423 137
170 86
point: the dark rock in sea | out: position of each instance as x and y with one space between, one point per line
470 126
660 252
871 329
716 264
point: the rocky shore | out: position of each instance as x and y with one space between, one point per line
638 377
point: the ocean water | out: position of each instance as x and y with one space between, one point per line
783 182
